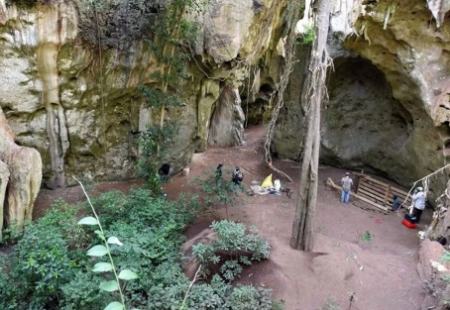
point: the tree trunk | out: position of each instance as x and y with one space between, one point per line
313 93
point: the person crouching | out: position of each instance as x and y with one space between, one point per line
237 176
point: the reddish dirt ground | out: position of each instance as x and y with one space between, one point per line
380 274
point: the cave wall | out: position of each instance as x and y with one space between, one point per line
389 107
80 106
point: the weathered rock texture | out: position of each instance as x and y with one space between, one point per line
433 271
389 105
20 178
81 107
227 124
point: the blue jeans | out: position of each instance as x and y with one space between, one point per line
345 196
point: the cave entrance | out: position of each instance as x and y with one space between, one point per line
363 126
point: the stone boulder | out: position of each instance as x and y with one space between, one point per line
434 271
20 174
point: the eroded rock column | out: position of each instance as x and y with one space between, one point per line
23 167
227 123
50 37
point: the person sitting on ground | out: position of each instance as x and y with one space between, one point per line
396 203
237 176
347 184
418 204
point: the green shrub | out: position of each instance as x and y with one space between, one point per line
235 246
230 270
219 190
249 298
82 292
49 269
221 295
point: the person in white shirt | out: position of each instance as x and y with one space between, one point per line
347 184
418 203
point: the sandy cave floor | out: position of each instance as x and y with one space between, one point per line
380 274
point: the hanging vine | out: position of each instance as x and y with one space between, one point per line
284 81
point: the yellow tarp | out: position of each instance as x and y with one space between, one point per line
267 183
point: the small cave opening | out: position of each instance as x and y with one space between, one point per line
258 109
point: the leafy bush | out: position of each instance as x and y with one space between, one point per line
221 295
249 297
45 259
219 190
234 247
48 268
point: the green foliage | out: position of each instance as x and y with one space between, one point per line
48 265
219 190
367 236
173 34
45 259
102 250
10 235
308 37
231 270
249 297
49 268
82 292
155 144
156 98
170 43
445 257
234 247
221 295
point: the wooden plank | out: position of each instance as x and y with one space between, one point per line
366 188
370 195
387 194
371 189
368 185
333 185
394 188
377 186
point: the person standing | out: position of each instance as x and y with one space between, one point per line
418 204
347 184
218 174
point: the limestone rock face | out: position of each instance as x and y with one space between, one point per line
389 107
81 108
20 178
227 124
